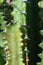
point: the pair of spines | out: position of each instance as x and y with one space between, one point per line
25 38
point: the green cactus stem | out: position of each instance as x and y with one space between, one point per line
40 4
13 46
12 34
41 54
32 20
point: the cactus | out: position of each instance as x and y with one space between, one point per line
19 31
12 34
41 54
32 20
2 27
41 32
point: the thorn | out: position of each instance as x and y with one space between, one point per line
21 44
26 25
4 38
7 52
7 63
8 24
5 30
5 42
8 58
24 13
21 53
27 59
26 50
21 59
26 38
5 49
27 1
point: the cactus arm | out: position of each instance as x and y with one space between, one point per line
19 8
40 4
14 45
41 54
12 36
32 20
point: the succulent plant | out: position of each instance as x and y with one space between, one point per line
21 32
13 19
